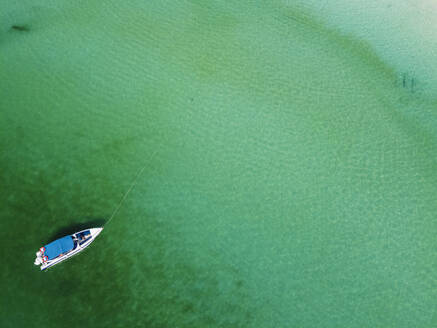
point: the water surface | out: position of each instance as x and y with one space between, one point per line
290 173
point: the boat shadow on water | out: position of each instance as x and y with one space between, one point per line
75 227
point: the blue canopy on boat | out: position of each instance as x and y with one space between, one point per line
58 247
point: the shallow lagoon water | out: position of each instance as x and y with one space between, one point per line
290 171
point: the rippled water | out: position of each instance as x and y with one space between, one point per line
290 173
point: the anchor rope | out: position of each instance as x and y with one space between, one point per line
134 182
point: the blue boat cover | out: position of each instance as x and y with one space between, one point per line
58 247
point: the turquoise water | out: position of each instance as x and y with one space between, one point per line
290 173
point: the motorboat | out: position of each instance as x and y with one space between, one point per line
65 247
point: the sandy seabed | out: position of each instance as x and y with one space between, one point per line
293 182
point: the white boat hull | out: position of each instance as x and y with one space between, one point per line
79 247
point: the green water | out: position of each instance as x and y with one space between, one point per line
290 173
